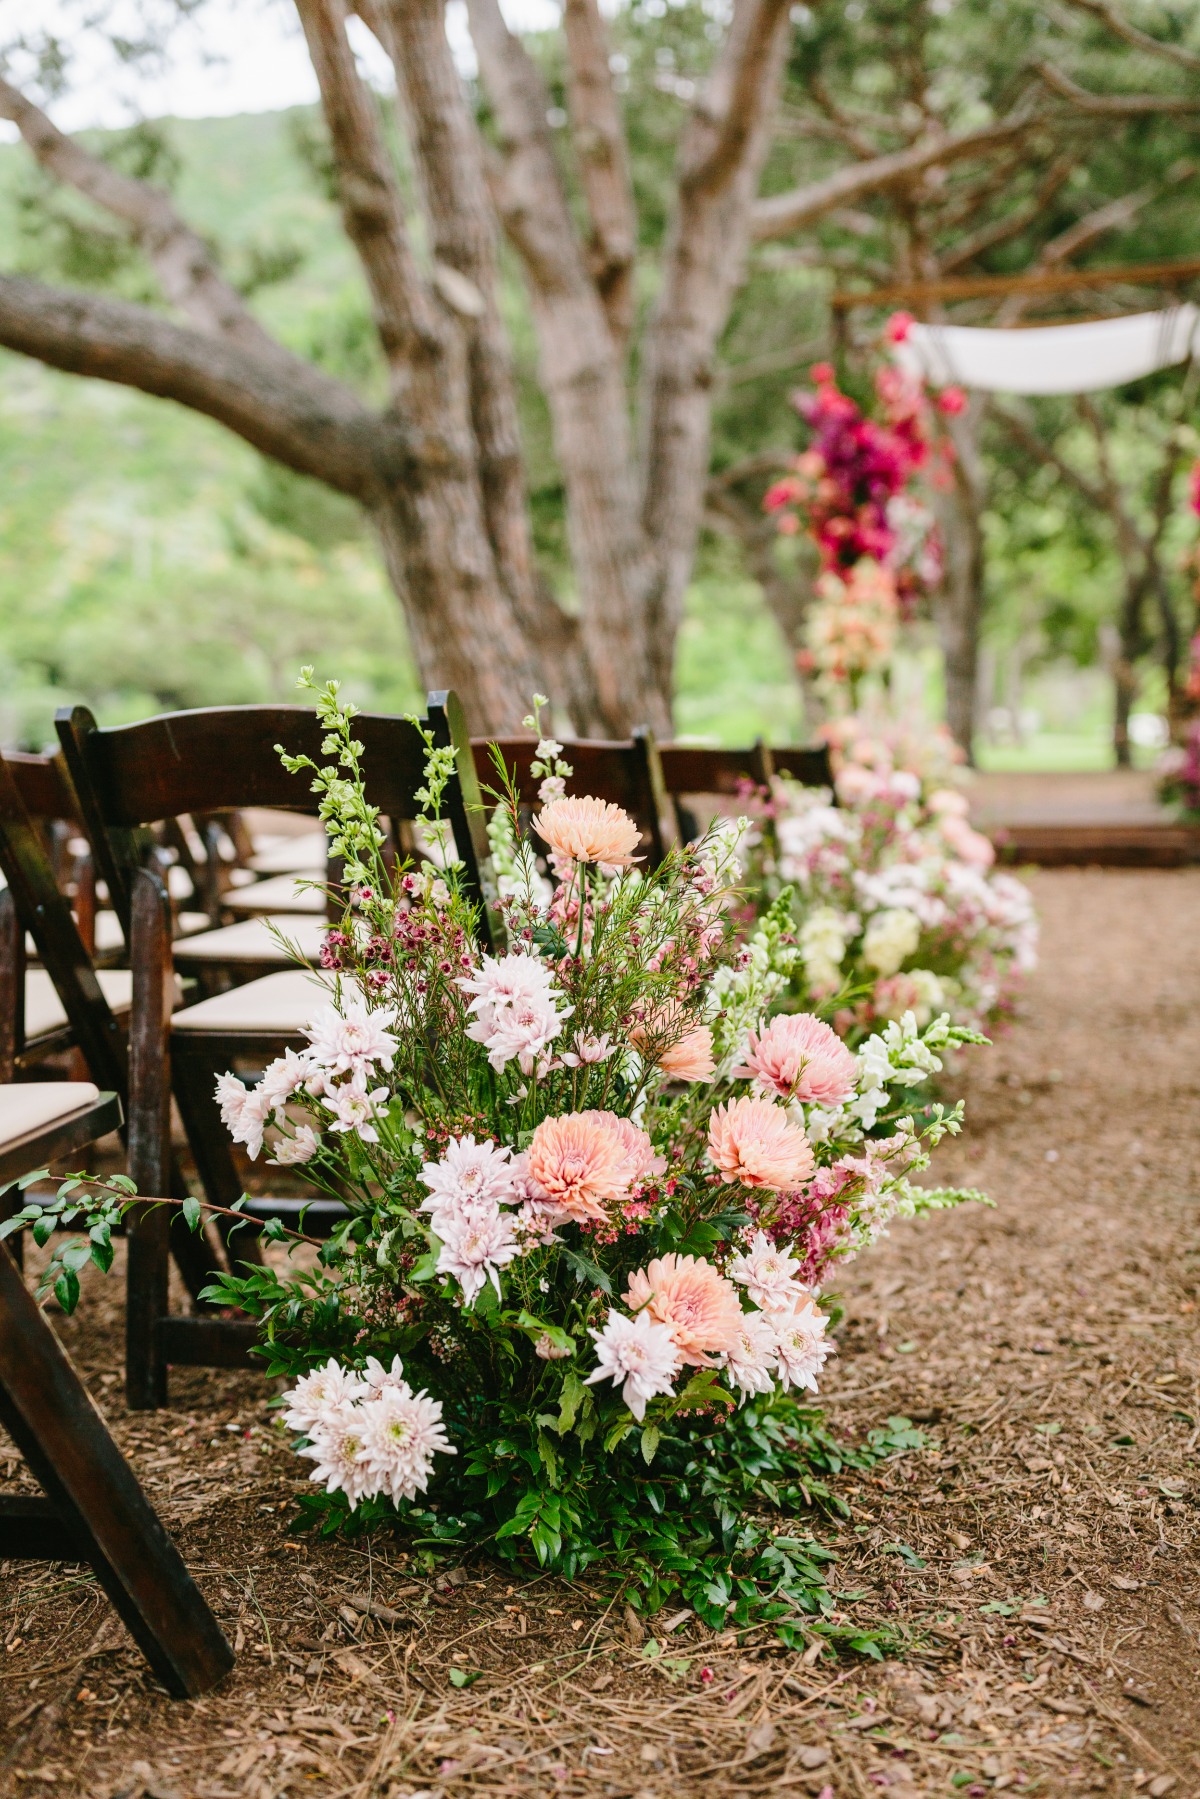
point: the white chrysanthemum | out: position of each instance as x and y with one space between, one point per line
518 1033
300 1147
768 1274
750 1361
376 1378
354 1108
518 1009
401 1432
322 1391
243 1112
284 1076
639 1352
469 1174
890 938
336 1443
352 1041
479 1241
802 1347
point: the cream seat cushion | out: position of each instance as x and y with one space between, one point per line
254 940
27 1107
277 1005
291 855
44 1011
279 893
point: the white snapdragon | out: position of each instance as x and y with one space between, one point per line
891 937
823 937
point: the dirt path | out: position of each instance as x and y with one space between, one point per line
1042 1549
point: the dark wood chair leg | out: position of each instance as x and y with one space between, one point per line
148 1227
95 1509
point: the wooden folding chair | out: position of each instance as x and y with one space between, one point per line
696 772
92 1507
80 1007
197 762
628 775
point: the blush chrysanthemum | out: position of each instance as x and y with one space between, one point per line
799 1057
755 1144
579 1163
589 830
696 1303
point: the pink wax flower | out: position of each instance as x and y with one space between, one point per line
898 327
951 401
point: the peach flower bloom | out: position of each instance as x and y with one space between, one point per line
798 1057
640 1159
700 1307
588 830
691 1059
754 1142
579 1162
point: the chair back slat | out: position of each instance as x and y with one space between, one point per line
626 774
809 764
43 785
223 758
45 912
697 768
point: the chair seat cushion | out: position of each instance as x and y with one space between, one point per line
278 1005
44 1011
291 855
253 940
278 894
27 1107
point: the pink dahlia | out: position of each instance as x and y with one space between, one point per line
798 1057
755 1143
640 1158
691 1059
698 1305
588 830
579 1162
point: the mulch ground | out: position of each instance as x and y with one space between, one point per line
1041 1550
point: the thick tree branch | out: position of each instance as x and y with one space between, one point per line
448 158
183 262
1113 106
784 213
1140 40
367 193
603 156
728 113
316 427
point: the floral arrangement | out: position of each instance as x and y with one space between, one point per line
595 1192
853 490
896 905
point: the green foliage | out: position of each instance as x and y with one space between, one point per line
708 1517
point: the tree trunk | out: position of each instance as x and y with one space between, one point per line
721 161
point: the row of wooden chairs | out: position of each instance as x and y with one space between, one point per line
123 788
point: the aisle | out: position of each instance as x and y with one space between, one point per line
1052 1345
1042 1546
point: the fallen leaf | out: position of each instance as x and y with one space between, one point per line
760 1738
812 1757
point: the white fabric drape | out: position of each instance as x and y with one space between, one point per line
1052 359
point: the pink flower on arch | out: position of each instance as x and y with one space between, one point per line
799 1057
